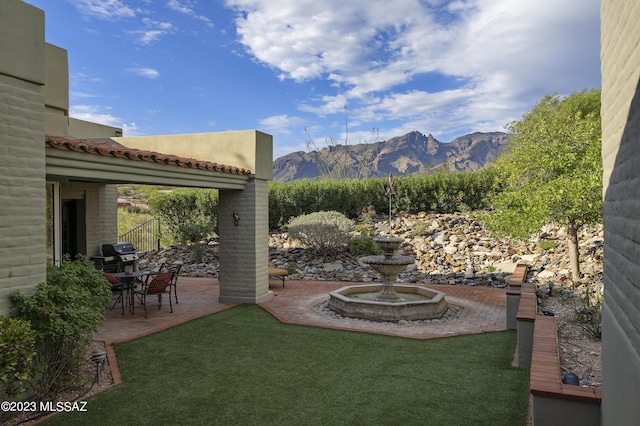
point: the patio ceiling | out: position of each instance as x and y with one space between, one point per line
106 161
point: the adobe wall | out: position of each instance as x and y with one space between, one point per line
620 57
22 154
250 149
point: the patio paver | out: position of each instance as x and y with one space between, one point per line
483 310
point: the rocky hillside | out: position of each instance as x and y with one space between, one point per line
451 249
412 153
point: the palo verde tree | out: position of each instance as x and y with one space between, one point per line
552 170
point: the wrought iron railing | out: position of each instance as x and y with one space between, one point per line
144 237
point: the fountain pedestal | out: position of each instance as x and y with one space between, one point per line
388 267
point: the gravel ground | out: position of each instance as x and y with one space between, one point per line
580 352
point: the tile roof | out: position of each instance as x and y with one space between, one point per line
109 147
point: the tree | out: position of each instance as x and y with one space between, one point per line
552 170
190 215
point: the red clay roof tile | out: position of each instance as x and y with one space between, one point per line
109 147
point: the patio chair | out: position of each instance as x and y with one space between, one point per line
117 286
155 285
174 268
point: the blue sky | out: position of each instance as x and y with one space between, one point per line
279 66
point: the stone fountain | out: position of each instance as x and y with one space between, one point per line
388 301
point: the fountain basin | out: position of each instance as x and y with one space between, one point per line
388 245
353 301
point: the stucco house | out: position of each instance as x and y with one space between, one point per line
51 164
58 175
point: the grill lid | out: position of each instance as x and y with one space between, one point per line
118 249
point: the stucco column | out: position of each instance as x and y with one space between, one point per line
243 227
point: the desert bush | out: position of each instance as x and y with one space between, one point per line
17 350
65 311
420 228
322 230
363 244
189 215
547 244
589 313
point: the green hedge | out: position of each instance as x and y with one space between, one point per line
442 193
190 214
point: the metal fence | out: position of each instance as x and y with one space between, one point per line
144 237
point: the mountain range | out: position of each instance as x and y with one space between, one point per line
413 153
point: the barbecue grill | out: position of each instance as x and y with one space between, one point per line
117 256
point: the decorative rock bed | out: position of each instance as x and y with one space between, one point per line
455 249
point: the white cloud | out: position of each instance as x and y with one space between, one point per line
130 129
152 31
498 56
101 115
104 9
334 39
145 72
183 8
76 94
281 124
81 76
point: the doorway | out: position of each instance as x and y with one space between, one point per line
74 229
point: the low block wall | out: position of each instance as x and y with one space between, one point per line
556 403
513 294
552 402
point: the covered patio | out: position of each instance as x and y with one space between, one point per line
60 173
238 164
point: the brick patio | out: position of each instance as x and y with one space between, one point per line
483 310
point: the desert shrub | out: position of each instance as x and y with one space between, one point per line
547 244
17 350
321 231
65 312
363 244
420 228
348 196
188 215
365 229
589 313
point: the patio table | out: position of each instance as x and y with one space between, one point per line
129 280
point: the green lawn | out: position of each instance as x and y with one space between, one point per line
243 367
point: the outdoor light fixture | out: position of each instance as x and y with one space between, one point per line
571 379
99 357
236 219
